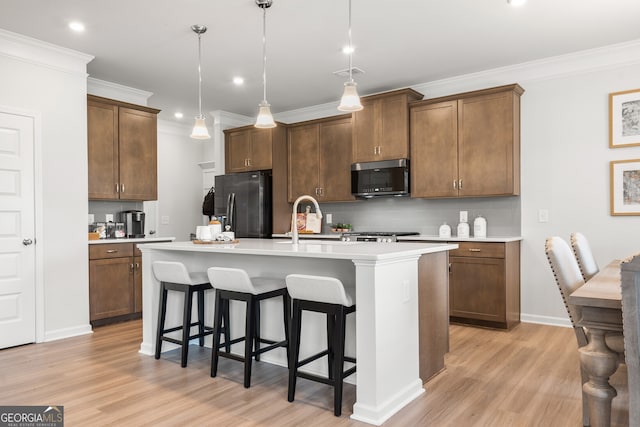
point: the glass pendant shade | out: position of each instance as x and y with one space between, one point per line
350 100
265 119
200 130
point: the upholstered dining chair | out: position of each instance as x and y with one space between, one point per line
569 278
584 256
630 272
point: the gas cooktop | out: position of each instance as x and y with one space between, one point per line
375 236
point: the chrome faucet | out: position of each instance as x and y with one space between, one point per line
294 224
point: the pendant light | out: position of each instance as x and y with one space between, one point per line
265 119
350 100
200 130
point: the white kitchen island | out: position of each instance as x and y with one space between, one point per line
385 277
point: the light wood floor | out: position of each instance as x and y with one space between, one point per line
526 377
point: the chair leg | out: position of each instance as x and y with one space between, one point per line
257 329
248 342
186 326
227 325
294 349
162 312
338 345
217 326
286 311
331 327
201 318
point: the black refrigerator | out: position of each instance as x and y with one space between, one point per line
243 201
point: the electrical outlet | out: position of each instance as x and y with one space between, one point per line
543 215
108 218
92 218
464 216
329 218
164 220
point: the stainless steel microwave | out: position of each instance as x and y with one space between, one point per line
383 178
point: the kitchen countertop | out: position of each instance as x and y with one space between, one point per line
331 249
133 240
416 238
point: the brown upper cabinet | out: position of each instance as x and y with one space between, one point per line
248 149
122 150
467 145
320 159
381 128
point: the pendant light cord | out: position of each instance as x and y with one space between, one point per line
350 48
199 75
264 53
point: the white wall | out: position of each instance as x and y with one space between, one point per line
51 82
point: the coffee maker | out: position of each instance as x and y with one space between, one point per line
133 223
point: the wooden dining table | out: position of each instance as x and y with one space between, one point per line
600 300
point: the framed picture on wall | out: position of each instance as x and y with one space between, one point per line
624 118
625 187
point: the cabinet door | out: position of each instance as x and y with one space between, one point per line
237 149
102 138
365 134
261 149
487 130
110 287
138 155
477 289
335 161
303 161
137 284
394 128
434 142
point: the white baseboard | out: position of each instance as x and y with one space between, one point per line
59 334
545 320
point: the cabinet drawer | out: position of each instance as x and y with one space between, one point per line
110 250
480 250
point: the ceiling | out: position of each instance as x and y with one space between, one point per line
149 45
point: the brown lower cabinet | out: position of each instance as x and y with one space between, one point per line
115 282
484 284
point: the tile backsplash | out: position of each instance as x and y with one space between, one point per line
100 208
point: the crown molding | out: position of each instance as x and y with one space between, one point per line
117 91
227 120
27 49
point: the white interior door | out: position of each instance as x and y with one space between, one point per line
17 231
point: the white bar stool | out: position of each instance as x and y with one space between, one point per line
235 284
327 295
173 276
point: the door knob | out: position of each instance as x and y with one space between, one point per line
27 242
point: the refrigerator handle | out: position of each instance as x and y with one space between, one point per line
231 211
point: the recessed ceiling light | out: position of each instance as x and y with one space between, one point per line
178 115
516 2
76 26
348 49
238 81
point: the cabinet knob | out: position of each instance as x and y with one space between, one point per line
131 268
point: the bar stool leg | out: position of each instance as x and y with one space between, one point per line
257 330
227 325
338 346
331 327
186 326
162 312
249 338
201 317
294 351
286 311
217 323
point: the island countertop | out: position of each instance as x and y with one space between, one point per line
365 251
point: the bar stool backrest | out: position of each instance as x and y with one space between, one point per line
318 288
584 256
170 271
231 279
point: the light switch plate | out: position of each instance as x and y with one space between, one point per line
164 220
464 216
543 215
108 217
329 218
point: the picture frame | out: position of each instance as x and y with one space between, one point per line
625 187
624 118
